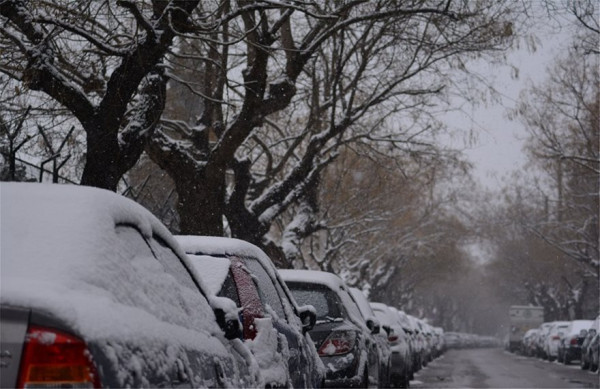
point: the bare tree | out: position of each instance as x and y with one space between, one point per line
102 62
562 117
283 89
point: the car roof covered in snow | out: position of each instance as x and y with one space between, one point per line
577 325
330 280
362 302
213 270
220 246
60 254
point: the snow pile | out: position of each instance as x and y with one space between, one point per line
271 351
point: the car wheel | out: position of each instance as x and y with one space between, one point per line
365 383
566 360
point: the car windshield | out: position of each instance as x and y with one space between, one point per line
327 304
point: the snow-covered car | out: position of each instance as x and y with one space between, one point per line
401 368
408 324
586 346
340 333
594 351
452 339
275 328
95 292
528 342
380 336
439 345
557 331
570 344
539 344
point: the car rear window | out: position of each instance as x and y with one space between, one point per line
325 301
150 276
266 289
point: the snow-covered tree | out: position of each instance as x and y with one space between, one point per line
285 85
100 62
562 117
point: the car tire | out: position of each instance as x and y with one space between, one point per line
584 364
365 383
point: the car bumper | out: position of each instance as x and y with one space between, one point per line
399 367
343 371
573 353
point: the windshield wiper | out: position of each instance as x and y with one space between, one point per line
329 319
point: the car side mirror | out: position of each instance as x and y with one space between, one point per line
373 326
308 317
387 329
230 326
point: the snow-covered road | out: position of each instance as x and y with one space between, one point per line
496 368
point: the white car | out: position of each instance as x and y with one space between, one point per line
401 368
552 341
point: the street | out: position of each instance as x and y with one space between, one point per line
496 368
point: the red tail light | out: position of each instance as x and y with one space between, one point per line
555 337
393 338
54 359
574 341
338 342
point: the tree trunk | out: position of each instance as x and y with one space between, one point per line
101 165
201 202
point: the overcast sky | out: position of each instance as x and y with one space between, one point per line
497 151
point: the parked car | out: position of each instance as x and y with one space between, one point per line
587 347
340 334
242 272
570 344
539 345
452 339
409 326
556 332
96 292
594 350
380 336
401 368
529 340
439 346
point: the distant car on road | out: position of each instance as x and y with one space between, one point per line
570 345
528 342
401 368
594 351
587 346
95 292
557 330
380 336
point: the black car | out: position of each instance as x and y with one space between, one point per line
342 339
569 348
587 346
